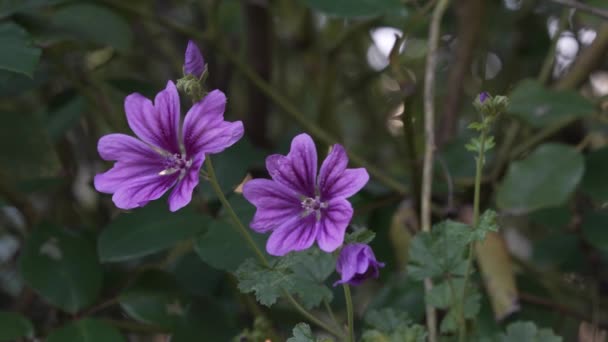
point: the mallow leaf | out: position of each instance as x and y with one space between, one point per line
266 283
527 331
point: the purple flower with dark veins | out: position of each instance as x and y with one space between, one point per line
164 156
194 63
300 207
357 263
483 96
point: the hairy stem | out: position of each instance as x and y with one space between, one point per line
462 332
349 312
261 257
429 128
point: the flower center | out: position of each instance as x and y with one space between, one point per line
313 205
176 163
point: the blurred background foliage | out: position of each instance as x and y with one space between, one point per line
74 268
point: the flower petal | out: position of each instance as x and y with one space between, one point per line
275 204
194 63
182 193
294 235
123 173
124 147
335 180
334 221
205 130
142 190
297 170
158 125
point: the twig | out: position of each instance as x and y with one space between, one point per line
429 128
583 7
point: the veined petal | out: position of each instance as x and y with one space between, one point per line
124 147
205 130
335 180
334 221
155 126
297 170
275 204
194 63
296 234
123 173
143 190
182 192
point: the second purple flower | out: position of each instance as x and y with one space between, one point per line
300 207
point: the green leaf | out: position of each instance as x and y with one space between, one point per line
148 230
386 320
154 298
595 230
311 268
355 8
17 6
14 326
94 23
527 331
594 181
62 267
62 119
362 235
540 106
23 57
208 321
546 178
302 333
268 284
196 277
440 252
487 223
86 330
222 236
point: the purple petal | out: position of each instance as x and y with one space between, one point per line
357 263
158 125
335 180
333 224
483 96
294 235
126 148
194 63
143 190
182 192
205 130
297 170
275 204
123 173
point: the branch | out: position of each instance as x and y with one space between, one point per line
429 128
602 13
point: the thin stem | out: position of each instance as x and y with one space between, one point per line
478 174
602 13
429 128
349 312
330 312
261 257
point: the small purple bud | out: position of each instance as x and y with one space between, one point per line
194 63
484 95
357 263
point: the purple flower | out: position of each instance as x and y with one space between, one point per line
484 95
356 263
164 157
299 207
194 63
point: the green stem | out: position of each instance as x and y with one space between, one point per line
330 312
478 174
349 311
261 257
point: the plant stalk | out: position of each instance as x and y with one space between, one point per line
349 312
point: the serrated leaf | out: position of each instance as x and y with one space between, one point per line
302 333
527 331
540 106
86 330
362 235
14 326
487 223
62 267
267 284
23 57
386 320
546 178
148 230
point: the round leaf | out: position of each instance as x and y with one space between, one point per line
546 178
86 330
14 326
23 57
595 230
596 168
146 231
62 267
